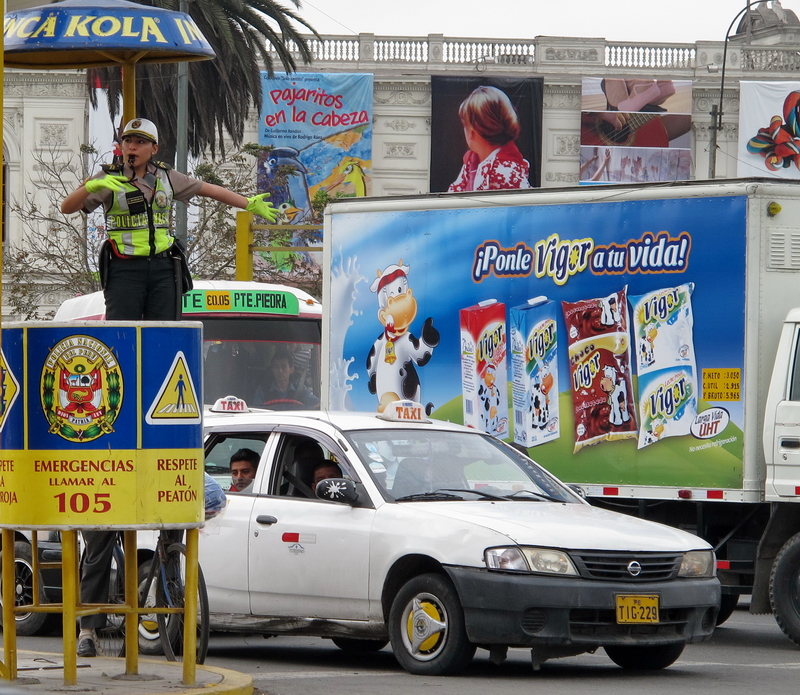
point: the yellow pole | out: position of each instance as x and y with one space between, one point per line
244 240
69 591
128 91
9 670
190 609
131 599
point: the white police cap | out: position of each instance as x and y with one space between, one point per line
143 128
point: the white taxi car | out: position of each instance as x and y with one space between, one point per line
439 539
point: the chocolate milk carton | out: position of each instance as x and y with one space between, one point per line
534 371
484 381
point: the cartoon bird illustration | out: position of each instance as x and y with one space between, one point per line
281 174
286 213
351 178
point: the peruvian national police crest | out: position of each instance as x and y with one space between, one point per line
81 388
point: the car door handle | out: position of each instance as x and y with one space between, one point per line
266 519
790 443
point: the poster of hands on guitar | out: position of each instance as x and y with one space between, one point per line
635 130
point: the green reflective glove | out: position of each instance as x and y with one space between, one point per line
259 206
109 181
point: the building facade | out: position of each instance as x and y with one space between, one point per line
46 113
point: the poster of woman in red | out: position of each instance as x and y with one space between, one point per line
485 133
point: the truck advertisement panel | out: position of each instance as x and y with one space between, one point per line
646 298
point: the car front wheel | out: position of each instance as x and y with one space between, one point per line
426 626
645 658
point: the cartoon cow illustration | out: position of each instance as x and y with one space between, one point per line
390 363
647 346
540 399
655 432
489 396
614 385
609 310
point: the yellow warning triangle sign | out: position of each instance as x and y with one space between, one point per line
9 389
176 401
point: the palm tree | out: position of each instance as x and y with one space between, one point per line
221 90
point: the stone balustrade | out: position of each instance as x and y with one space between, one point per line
542 55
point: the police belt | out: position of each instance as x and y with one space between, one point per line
163 254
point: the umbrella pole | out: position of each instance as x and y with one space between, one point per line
128 91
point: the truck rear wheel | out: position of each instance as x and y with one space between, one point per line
784 588
645 658
426 626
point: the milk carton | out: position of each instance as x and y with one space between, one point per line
534 371
484 381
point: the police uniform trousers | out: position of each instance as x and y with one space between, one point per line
141 288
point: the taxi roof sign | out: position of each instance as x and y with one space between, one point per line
404 411
230 404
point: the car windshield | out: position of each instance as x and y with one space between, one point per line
413 464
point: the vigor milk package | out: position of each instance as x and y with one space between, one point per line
484 380
534 371
662 329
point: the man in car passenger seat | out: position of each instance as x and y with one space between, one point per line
244 464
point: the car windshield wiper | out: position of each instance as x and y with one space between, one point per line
536 496
434 496
481 493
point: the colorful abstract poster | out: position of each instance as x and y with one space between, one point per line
635 130
504 147
317 132
769 132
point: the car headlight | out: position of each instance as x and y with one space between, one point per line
698 563
505 560
544 560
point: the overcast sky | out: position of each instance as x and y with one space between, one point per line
670 21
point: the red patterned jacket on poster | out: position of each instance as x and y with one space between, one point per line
502 169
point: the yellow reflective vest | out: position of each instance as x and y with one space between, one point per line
146 232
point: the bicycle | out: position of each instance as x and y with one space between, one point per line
161 584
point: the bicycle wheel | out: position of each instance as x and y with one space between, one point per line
149 637
170 593
111 638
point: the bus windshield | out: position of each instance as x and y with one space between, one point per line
270 364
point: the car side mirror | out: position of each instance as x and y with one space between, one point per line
339 490
577 489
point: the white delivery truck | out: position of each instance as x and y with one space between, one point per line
638 341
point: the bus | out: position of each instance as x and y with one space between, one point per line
246 325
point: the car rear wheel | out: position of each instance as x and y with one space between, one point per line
426 626
645 658
28 623
359 646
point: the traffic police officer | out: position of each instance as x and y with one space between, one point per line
136 263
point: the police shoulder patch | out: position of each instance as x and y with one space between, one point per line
163 165
111 168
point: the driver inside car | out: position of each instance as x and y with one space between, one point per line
282 391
